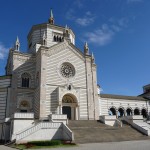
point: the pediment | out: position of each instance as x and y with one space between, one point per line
61 46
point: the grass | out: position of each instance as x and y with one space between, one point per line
44 144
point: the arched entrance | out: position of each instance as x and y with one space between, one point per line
129 112
144 113
120 112
136 111
69 106
112 111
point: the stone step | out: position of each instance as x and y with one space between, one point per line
93 131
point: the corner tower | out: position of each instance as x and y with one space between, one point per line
53 34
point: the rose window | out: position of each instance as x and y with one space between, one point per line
67 70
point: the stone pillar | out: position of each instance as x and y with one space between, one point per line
132 112
60 109
43 84
76 111
95 93
72 113
89 84
116 113
140 112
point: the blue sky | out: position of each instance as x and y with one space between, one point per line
117 31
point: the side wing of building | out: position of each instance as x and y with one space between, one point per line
5 82
108 102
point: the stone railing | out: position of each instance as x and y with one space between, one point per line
23 115
44 131
109 120
34 128
58 118
138 123
118 123
67 133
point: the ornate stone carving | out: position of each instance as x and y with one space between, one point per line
67 70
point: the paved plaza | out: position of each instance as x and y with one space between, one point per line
127 145
6 148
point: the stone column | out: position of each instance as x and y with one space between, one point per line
60 109
72 113
76 109
116 113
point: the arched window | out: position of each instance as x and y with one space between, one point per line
57 39
54 38
112 111
136 111
129 112
120 112
144 113
25 80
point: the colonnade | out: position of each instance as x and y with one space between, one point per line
120 112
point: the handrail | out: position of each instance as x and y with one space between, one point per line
70 132
146 125
139 125
34 128
120 122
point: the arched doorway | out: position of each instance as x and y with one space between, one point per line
144 113
136 111
120 112
129 112
69 106
112 111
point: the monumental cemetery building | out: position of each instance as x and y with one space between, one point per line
52 79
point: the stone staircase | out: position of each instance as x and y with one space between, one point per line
90 131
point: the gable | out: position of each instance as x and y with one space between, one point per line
58 55
61 46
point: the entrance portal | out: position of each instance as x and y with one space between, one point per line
69 106
67 110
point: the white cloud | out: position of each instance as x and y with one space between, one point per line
101 36
116 28
70 14
3 51
130 1
86 20
105 34
123 22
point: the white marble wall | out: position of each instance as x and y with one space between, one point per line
106 103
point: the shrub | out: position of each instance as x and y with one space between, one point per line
45 143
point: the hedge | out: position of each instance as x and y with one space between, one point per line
46 143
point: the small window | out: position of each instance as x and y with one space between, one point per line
44 42
25 80
69 87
